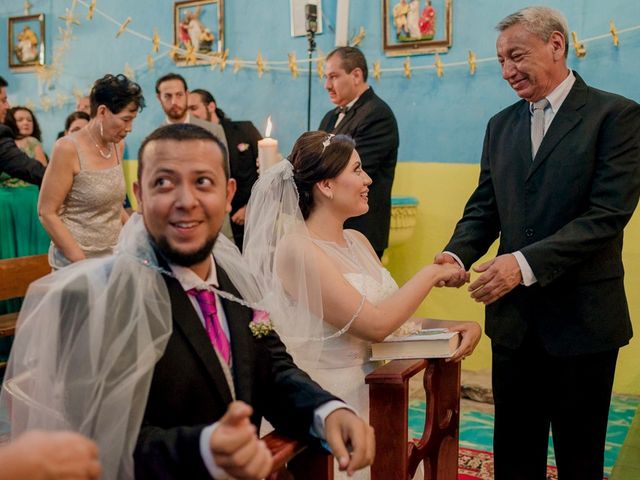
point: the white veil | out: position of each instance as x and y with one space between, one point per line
83 358
283 259
88 338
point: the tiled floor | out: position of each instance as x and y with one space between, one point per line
476 423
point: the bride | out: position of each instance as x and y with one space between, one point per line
329 295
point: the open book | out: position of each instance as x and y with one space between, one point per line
426 343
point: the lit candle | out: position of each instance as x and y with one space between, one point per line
267 149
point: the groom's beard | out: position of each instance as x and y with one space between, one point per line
185 259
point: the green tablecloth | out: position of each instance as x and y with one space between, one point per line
21 233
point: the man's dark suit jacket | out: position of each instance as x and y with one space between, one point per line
242 140
17 163
189 390
373 126
565 212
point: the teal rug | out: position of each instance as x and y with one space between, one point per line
476 428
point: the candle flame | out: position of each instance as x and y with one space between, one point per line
267 132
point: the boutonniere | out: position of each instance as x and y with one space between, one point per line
261 324
243 147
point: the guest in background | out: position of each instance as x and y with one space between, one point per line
172 93
75 122
13 161
81 203
26 129
242 140
361 114
83 104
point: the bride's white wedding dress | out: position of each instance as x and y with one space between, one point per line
344 361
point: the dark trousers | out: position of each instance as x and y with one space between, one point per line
534 391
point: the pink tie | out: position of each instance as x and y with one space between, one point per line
207 301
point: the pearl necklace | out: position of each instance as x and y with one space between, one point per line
107 155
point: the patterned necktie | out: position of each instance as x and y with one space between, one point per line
537 127
207 302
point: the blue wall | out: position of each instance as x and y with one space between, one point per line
440 119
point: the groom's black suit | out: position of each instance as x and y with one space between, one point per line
189 390
555 342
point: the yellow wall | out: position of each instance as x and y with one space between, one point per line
443 189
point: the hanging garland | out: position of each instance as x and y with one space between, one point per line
49 72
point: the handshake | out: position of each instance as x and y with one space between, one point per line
497 276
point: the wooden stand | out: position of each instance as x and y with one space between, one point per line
398 457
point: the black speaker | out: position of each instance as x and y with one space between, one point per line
311 17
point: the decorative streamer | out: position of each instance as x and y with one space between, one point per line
123 27
293 65
92 9
471 60
614 33
407 68
439 66
356 40
581 50
376 70
260 64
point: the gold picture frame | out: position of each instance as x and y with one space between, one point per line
416 27
198 29
26 42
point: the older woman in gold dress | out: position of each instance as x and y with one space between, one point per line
83 189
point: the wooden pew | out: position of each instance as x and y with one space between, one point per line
397 456
16 274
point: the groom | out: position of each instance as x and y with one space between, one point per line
216 380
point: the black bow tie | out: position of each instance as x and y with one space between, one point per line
343 110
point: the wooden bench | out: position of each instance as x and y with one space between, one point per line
16 274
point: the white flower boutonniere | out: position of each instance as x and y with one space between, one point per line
243 147
261 324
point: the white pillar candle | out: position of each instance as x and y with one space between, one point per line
267 153
267 149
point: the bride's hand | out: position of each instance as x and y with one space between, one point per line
450 274
470 333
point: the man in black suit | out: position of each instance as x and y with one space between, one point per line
13 160
242 140
559 180
361 114
192 428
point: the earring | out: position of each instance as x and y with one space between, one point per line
101 132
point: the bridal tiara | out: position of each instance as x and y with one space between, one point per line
327 142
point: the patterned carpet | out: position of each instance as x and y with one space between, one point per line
476 435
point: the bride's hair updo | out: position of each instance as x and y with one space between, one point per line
318 156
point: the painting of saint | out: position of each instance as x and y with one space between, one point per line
26 42
414 27
199 25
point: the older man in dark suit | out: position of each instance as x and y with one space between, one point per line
361 114
13 160
192 428
559 180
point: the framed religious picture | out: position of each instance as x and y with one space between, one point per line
198 31
26 42
414 27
